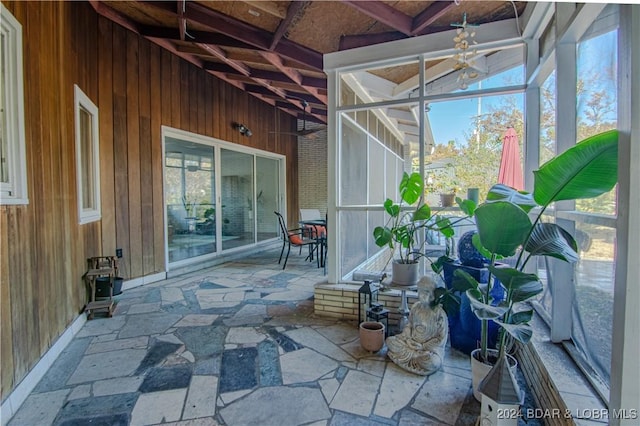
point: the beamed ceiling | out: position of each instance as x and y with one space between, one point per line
274 49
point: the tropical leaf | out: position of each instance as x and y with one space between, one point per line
411 187
522 317
522 199
463 281
449 301
586 170
438 265
482 310
392 209
475 240
422 213
466 206
549 239
403 236
521 332
502 227
443 224
383 236
522 286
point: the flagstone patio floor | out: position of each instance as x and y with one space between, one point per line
238 344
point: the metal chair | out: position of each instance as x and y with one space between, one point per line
296 238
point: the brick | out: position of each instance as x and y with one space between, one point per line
340 310
331 303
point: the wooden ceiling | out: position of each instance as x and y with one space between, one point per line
274 49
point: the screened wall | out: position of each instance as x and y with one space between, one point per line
557 80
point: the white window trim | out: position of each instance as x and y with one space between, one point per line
82 100
14 191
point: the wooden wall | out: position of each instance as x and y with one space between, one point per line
138 87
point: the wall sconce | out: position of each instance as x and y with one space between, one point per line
244 130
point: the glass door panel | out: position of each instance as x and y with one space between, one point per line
238 223
267 194
189 198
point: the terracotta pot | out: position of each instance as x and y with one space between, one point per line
447 199
479 370
372 335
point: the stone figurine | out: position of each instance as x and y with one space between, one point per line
421 345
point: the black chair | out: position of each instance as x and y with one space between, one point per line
295 237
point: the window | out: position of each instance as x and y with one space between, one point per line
87 161
13 165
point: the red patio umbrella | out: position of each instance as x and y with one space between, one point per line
510 165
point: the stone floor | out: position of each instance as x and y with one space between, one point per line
238 344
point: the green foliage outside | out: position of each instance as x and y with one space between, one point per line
476 161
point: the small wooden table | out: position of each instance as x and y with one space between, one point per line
103 267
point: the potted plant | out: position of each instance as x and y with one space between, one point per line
442 181
407 219
506 230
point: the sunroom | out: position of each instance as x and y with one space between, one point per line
556 81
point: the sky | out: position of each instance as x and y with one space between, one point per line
451 119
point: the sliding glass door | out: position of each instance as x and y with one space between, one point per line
237 198
190 199
267 197
218 196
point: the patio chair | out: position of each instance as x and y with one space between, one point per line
314 231
295 237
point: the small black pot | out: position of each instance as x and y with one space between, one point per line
102 286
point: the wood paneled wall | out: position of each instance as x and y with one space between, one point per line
138 87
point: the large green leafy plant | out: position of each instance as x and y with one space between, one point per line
506 229
409 220
401 232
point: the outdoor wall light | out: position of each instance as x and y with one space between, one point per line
244 130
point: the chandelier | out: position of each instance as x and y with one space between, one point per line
464 56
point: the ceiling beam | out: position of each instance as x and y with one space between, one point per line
218 53
294 75
109 13
265 75
384 13
270 7
354 41
431 73
198 36
294 9
244 32
182 22
430 15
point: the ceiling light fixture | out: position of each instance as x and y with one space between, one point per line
463 56
244 130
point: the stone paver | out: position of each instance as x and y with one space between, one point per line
397 390
357 393
201 397
442 397
106 365
158 407
237 344
41 408
305 365
196 320
277 406
116 386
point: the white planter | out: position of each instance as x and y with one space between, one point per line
479 370
405 273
